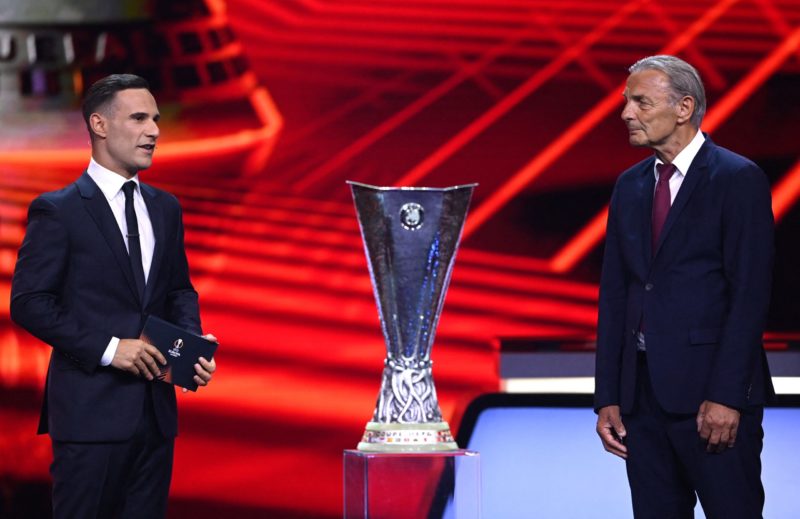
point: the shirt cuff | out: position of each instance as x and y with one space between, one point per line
111 350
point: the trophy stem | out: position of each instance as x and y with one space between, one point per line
407 417
407 393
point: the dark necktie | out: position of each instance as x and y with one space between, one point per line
134 247
661 200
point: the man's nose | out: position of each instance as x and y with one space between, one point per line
627 112
152 130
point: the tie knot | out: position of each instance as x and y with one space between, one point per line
128 188
665 171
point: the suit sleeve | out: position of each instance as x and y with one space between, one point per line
37 285
611 314
748 250
182 302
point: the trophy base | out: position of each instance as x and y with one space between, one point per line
401 437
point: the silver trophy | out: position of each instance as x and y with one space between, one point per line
410 237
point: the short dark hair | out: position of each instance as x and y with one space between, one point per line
103 91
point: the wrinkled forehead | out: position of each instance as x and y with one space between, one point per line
648 82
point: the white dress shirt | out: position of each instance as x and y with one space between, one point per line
682 162
110 184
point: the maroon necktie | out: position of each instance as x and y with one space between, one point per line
661 200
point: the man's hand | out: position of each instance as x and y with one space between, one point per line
717 424
205 369
139 358
611 430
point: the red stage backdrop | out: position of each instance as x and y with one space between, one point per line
270 105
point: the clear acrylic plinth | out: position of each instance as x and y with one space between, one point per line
412 485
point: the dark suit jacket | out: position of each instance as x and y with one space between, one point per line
73 288
702 298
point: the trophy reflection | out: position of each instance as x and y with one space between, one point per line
411 237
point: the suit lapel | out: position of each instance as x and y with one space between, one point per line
150 196
696 172
647 185
97 206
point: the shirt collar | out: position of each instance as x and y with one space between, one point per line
110 183
683 160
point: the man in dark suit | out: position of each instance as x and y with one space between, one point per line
98 257
681 374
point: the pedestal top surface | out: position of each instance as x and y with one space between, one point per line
435 454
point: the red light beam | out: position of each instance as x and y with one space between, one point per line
784 194
476 127
392 123
574 133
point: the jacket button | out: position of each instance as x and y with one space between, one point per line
648 287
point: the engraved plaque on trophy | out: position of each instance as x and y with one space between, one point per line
410 236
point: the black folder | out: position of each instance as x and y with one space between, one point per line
182 350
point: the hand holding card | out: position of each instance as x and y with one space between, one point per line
182 350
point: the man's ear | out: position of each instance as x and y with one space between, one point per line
98 125
685 108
